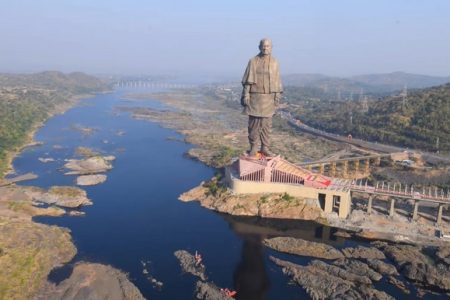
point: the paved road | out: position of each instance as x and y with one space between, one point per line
429 157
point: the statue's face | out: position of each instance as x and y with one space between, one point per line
265 47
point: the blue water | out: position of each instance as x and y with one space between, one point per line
136 215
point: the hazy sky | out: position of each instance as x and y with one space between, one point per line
335 37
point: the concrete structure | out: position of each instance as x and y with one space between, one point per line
360 164
276 175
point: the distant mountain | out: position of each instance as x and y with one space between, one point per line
397 80
421 120
375 85
303 79
76 82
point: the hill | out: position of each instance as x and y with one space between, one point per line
419 122
397 80
351 88
27 100
76 82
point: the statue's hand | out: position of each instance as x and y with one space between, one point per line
277 99
245 99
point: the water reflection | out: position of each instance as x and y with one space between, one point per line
249 227
250 277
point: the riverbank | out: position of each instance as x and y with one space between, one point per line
29 250
218 129
215 195
29 139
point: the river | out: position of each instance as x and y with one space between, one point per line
137 217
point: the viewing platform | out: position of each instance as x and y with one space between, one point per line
249 175
276 175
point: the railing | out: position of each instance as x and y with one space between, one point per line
404 191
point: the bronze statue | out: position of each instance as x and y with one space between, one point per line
261 95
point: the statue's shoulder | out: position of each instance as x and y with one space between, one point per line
274 60
253 59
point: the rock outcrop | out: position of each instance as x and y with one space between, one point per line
214 195
303 247
29 251
189 264
324 281
64 196
91 165
93 281
363 252
382 267
91 179
359 268
425 266
209 291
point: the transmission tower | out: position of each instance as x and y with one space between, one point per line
404 95
365 105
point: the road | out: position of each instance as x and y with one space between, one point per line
429 157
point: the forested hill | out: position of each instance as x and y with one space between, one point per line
29 99
53 80
421 120
351 88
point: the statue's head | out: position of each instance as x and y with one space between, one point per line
265 46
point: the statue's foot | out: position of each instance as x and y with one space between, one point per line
252 152
266 152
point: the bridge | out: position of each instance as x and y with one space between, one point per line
343 164
394 192
135 84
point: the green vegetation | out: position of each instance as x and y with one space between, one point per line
67 191
287 197
263 199
86 152
30 251
214 186
237 207
224 155
420 122
28 100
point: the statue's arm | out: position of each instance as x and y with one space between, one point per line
245 97
277 98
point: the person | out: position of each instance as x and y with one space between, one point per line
198 259
261 95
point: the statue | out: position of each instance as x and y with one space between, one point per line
261 95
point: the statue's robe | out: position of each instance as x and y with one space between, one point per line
262 80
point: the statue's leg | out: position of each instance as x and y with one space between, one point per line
254 128
266 130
